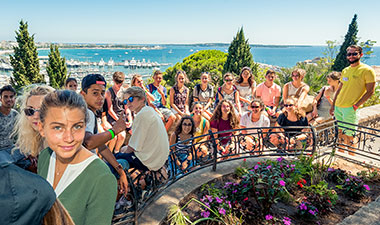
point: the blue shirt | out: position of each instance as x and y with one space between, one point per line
157 96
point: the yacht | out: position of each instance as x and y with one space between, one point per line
132 63
138 64
144 64
110 63
126 63
101 62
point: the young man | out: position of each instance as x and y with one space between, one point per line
269 92
8 116
93 90
357 84
115 107
159 93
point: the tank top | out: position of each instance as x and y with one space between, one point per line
180 98
200 129
117 106
182 150
245 92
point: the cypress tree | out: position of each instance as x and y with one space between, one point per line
239 55
350 39
25 63
56 69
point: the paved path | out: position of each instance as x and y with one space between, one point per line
367 215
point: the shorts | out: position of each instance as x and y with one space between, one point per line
166 113
347 115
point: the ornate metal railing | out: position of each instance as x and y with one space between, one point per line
208 150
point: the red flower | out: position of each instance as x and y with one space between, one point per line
246 198
301 182
259 163
328 201
245 160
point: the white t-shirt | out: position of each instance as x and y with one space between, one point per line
248 123
90 125
149 139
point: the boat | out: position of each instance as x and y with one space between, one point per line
132 63
144 64
126 63
101 62
138 64
110 63
170 51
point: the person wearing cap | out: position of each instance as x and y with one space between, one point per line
27 198
93 90
115 107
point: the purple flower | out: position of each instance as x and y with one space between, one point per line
292 165
256 167
348 179
287 166
282 183
268 217
205 214
280 159
287 221
234 191
218 200
207 204
229 204
366 187
303 206
268 167
282 175
222 211
330 169
209 198
312 212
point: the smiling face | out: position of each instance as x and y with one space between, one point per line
255 107
186 126
72 85
228 80
353 55
138 82
181 79
289 105
64 130
270 77
204 78
34 102
226 108
246 74
197 110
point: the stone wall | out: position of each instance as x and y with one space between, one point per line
370 116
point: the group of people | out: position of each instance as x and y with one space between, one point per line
67 136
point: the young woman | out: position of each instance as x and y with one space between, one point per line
290 136
71 84
83 182
27 125
296 88
223 119
179 96
246 86
204 94
182 151
321 112
202 126
254 119
229 92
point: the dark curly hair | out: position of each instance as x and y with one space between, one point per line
178 129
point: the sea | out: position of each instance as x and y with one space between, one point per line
169 55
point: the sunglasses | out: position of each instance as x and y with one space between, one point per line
352 54
295 75
30 111
255 106
290 105
130 99
228 80
187 124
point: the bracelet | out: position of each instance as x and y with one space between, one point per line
112 133
355 107
119 167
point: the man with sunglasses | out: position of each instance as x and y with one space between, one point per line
357 84
8 116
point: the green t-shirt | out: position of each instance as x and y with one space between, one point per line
90 198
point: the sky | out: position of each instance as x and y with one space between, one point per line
275 22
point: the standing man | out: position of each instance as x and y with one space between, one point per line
160 93
357 84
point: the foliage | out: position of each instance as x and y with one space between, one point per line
56 69
307 210
330 52
25 63
374 99
269 219
211 61
321 196
367 48
369 175
354 187
350 39
337 176
239 55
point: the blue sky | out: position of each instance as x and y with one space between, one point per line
193 21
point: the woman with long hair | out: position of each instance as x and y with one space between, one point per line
203 93
179 95
83 182
202 125
246 86
229 92
223 119
296 88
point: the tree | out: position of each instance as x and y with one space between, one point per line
330 52
211 61
25 63
56 69
350 39
239 55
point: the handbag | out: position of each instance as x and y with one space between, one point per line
307 104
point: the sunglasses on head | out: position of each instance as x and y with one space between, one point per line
353 54
30 111
288 105
130 99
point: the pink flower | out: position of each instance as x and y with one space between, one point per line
246 198
280 159
218 200
366 187
205 214
282 183
287 221
222 211
282 175
256 167
268 217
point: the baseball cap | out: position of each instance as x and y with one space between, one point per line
25 198
91 79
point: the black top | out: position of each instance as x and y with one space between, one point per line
283 121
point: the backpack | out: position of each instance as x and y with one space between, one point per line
220 92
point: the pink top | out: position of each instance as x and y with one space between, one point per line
268 94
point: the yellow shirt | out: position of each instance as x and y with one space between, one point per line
354 80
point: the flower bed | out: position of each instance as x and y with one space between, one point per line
279 192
